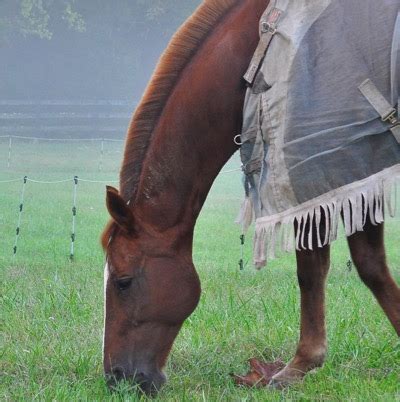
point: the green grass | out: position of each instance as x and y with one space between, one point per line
51 312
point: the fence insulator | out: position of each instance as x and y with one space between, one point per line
242 242
74 213
21 209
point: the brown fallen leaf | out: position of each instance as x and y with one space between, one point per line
260 373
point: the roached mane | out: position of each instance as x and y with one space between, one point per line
179 53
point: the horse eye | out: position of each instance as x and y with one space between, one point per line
124 284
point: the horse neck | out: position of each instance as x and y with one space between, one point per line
194 135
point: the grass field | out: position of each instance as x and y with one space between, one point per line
51 312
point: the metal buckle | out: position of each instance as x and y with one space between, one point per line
266 27
395 125
391 118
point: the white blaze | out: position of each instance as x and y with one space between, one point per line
106 276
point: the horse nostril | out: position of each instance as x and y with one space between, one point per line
140 376
150 384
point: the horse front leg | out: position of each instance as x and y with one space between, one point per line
368 253
312 270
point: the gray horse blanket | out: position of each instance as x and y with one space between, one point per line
320 132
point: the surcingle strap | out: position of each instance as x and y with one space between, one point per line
387 112
268 26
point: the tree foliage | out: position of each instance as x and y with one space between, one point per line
41 18
36 17
84 48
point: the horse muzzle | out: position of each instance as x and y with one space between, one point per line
149 383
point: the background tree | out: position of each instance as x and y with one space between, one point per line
39 17
83 48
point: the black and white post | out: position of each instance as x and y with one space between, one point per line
74 212
21 209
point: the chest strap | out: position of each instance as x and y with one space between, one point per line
268 26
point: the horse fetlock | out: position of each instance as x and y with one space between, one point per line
309 358
301 364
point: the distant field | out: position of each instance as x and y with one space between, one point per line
51 313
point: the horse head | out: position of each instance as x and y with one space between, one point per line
151 287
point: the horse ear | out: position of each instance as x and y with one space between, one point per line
119 210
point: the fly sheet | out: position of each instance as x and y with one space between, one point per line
320 133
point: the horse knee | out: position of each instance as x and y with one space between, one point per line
310 281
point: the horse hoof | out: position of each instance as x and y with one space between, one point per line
278 384
285 378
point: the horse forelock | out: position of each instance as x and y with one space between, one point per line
107 234
183 46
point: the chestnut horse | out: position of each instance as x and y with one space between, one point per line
179 139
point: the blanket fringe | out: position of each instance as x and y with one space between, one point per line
276 233
245 217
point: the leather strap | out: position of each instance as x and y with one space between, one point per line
268 26
395 61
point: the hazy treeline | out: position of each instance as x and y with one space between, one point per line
83 49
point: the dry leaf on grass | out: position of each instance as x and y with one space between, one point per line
260 373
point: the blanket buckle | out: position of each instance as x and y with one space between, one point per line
387 112
267 27
391 118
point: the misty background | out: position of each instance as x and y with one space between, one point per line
77 68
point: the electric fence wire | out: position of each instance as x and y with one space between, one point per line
49 182
10 181
75 181
58 181
37 181
62 139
